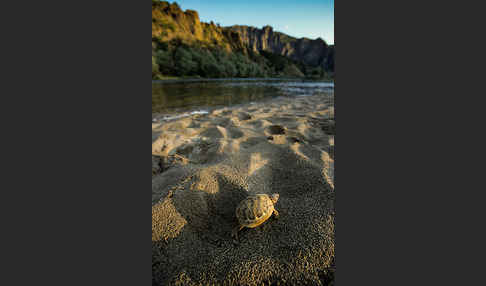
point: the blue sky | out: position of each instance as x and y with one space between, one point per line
298 18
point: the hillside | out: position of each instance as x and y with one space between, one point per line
182 45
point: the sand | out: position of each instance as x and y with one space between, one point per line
205 164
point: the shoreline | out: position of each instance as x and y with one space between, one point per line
200 79
158 116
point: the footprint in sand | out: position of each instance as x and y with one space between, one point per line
275 130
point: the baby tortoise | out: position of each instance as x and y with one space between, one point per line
255 210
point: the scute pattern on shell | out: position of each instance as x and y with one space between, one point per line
254 208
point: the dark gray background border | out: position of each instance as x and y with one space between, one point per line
76 100
408 114
79 141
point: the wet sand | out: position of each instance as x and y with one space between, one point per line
203 165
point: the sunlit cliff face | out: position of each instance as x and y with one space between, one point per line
169 21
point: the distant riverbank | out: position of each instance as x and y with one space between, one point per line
193 79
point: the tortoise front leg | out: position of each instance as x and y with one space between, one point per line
275 213
235 231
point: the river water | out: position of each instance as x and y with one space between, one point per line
200 96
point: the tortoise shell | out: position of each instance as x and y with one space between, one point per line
255 209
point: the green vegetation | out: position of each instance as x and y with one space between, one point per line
176 58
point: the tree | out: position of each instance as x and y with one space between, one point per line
164 61
184 64
155 67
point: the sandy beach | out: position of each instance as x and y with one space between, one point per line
203 165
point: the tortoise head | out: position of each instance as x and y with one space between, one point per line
274 198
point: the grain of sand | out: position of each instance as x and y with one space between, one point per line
204 165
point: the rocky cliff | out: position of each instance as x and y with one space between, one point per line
311 52
170 22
